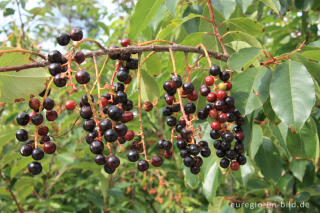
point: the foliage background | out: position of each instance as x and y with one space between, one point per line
282 166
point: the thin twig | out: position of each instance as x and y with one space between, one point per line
130 49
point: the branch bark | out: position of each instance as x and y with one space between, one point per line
131 49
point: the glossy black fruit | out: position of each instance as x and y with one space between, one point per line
86 112
48 104
85 101
22 135
55 68
121 129
100 159
108 170
177 81
122 76
82 77
37 154
156 161
189 108
132 64
55 56
215 70
26 150
224 163
96 147
115 113
195 170
133 155
113 162
194 149
224 76
59 81
184 153
23 118
167 111
89 125
231 154
110 135
35 168
188 87
143 165
181 144
167 145
105 125
220 153
188 161
63 39
241 160
171 121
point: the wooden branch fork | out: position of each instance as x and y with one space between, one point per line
130 49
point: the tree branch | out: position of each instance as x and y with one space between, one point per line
131 49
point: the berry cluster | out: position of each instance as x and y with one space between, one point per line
222 111
189 148
36 118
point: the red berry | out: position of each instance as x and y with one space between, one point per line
222 117
104 101
215 125
49 147
34 104
125 42
193 96
156 161
127 116
213 114
169 99
31 114
229 85
221 94
51 115
211 97
209 80
234 165
167 154
43 130
129 135
239 136
70 105
147 106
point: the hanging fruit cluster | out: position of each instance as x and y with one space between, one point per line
105 115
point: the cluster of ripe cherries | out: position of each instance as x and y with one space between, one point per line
31 147
220 109
107 128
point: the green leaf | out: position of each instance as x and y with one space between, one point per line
256 140
298 167
268 160
16 85
216 206
304 144
226 7
171 6
244 4
8 11
312 67
242 59
246 25
292 93
251 88
154 64
143 14
211 182
242 36
174 25
273 4
313 54
190 179
149 87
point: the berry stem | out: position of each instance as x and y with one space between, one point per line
46 94
98 85
140 108
187 66
179 89
100 73
95 115
156 41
